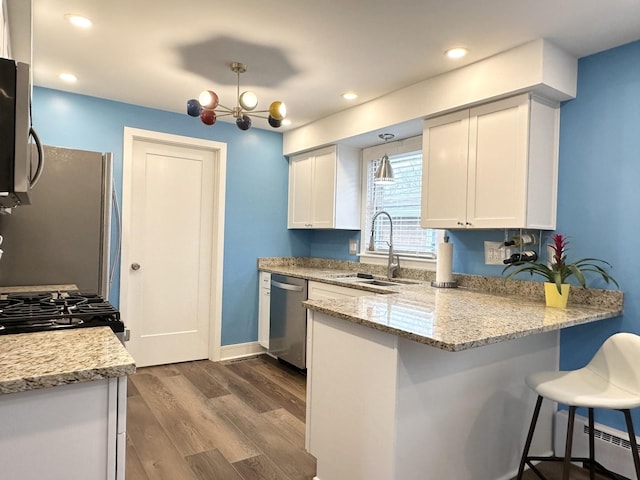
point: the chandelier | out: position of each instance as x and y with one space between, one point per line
208 108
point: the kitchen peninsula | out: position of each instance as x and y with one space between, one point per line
63 404
429 383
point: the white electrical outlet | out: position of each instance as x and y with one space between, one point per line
353 246
495 253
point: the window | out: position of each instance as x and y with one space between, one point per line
401 200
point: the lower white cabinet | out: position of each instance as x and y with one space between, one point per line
326 291
264 306
322 291
68 431
383 407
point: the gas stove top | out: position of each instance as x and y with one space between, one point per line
41 311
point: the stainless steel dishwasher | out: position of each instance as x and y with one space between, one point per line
288 320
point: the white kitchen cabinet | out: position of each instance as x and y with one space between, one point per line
68 431
322 291
264 306
326 291
492 166
324 189
381 407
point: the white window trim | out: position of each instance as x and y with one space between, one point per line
407 145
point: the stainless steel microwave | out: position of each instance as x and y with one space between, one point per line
21 161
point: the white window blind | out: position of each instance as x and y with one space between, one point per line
402 201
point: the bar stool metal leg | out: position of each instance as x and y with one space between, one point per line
527 445
632 441
566 465
592 455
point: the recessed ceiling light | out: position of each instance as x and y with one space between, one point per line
286 122
68 77
350 95
457 52
78 20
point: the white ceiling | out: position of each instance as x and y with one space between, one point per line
160 53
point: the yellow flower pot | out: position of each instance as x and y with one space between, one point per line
555 299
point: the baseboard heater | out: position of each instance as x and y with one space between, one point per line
612 446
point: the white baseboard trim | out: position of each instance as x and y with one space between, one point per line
240 350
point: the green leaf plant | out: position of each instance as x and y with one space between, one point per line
560 270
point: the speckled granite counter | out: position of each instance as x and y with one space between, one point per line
450 319
31 361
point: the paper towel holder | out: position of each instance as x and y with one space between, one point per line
451 284
448 283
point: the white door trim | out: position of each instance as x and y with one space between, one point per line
220 174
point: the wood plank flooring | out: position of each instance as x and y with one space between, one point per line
553 471
241 420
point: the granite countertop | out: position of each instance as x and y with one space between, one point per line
451 319
30 361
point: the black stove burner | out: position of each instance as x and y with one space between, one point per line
38 311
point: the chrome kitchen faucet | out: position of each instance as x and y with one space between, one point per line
392 267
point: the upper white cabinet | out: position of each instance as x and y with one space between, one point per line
492 166
324 189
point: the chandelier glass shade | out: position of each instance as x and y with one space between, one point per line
207 106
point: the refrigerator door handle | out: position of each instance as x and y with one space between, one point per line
286 286
36 176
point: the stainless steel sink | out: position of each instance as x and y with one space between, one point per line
378 282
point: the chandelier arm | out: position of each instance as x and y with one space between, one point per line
225 114
226 109
253 114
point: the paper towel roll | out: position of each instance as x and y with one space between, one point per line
444 264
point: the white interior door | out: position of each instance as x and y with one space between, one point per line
172 247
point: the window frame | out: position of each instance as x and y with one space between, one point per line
407 145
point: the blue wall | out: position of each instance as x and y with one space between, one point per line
332 244
256 189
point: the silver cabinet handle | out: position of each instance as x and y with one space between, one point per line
286 286
135 266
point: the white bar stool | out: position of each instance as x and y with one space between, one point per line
610 380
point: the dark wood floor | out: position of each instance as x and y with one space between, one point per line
553 471
201 420
241 420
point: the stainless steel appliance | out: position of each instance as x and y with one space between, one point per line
288 320
63 236
19 172
44 311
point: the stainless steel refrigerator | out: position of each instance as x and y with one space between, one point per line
63 236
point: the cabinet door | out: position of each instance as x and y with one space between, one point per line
325 291
324 185
497 179
300 185
444 171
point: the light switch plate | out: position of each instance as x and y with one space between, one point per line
353 246
495 253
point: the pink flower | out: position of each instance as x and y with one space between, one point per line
559 246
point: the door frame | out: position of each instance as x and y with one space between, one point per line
219 150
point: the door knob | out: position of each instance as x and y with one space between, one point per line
135 266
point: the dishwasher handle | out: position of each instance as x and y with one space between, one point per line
286 286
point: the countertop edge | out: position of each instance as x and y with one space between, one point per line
39 360
456 347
